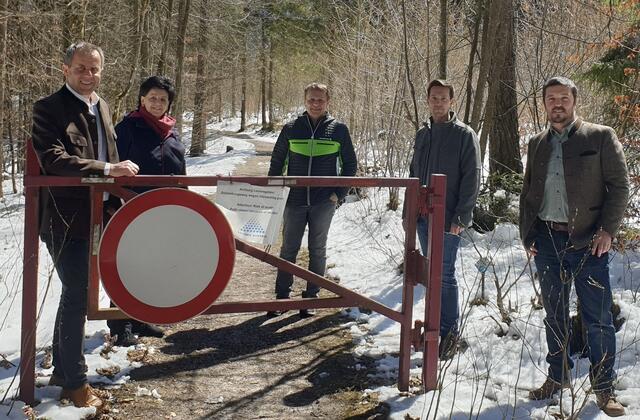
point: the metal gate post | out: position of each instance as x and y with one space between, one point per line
29 282
411 216
435 239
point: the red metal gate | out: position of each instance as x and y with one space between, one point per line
427 271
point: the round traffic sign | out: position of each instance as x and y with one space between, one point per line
166 255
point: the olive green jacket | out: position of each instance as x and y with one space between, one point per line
596 177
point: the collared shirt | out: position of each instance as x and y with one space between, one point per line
555 206
94 109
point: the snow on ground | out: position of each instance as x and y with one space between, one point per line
214 162
492 377
489 380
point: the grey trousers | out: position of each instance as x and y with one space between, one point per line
296 218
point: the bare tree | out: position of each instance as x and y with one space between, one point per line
442 39
167 24
183 20
4 10
199 126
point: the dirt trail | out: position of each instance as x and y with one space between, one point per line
245 366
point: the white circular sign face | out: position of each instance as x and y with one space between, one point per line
156 253
166 255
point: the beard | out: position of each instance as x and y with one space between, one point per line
559 115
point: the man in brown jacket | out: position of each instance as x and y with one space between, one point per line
575 192
73 136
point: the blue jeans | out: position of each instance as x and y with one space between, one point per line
449 313
296 218
559 265
71 260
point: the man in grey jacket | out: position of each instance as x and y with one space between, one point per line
573 199
447 146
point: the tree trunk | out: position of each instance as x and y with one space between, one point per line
145 52
414 117
233 87
504 150
270 90
3 86
442 38
243 98
263 79
199 126
73 22
472 59
166 30
183 20
489 27
120 107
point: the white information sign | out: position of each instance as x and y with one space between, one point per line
254 212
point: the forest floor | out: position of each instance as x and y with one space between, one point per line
246 366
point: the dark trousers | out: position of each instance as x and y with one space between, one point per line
559 265
296 218
71 260
449 312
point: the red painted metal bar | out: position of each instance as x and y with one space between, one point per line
410 280
188 180
317 280
118 191
435 239
247 306
93 294
29 282
414 273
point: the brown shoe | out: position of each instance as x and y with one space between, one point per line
608 404
82 397
548 388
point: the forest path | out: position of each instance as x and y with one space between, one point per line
246 366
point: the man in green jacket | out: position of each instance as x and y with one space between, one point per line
575 192
314 144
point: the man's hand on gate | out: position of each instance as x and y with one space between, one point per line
125 168
601 243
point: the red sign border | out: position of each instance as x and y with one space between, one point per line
114 230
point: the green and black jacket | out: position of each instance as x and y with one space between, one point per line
304 150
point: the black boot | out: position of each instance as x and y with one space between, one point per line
125 337
142 329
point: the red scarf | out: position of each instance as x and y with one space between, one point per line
162 125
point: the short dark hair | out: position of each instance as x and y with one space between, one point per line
442 83
84 48
316 86
560 81
158 82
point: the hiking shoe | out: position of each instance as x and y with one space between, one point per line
608 403
448 346
125 337
146 330
274 314
548 388
307 313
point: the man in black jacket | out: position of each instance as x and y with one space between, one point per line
314 144
447 146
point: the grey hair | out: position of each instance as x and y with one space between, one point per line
84 48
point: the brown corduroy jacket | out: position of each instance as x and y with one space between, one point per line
63 143
596 177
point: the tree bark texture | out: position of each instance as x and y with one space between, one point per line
199 128
183 20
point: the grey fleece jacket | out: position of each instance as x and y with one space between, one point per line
450 148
